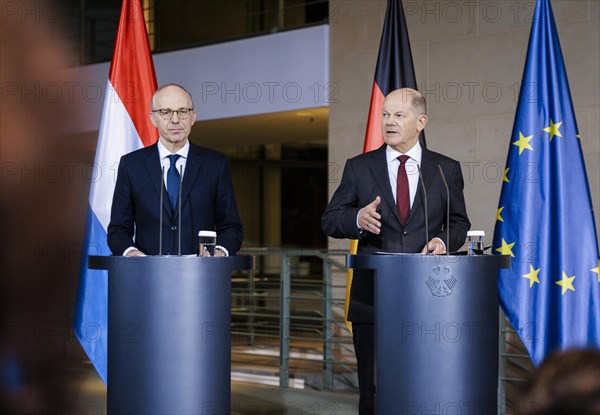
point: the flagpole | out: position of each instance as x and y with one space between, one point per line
125 127
394 47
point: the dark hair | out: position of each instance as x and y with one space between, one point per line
566 383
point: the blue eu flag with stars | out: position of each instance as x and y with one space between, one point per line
545 221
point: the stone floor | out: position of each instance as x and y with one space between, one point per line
87 395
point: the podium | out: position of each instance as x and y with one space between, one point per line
436 332
169 323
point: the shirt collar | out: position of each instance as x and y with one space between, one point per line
414 153
183 151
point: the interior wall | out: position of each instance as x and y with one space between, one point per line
469 58
286 71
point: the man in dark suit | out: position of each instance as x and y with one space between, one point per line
207 197
380 202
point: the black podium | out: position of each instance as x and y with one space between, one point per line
436 332
169 321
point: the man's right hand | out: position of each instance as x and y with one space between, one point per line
135 252
368 218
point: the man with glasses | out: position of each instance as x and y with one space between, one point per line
195 181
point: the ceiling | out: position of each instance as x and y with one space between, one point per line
307 126
290 127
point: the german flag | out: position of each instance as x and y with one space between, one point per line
394 70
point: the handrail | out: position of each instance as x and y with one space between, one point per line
302 308
307 310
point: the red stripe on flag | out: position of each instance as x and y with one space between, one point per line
374 135
394 70
132 70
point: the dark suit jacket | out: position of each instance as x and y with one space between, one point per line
208 203
365 177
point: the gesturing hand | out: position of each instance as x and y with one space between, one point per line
368 218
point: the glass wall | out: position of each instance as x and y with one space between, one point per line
178 24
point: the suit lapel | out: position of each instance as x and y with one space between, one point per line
193 167
428 171
378 166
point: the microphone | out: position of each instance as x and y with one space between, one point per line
160 215
179 209
447 210
426 212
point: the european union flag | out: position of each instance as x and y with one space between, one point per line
545 221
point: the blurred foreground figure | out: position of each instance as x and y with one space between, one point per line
42 197
567 383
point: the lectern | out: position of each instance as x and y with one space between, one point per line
169 320
436 332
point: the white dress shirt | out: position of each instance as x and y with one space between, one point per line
412 168
413 165
165 162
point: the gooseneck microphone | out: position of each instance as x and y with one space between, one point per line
426 211
447 210
179 209
160 215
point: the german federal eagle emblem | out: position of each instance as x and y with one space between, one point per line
441 281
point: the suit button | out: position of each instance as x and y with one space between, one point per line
404 233
173 228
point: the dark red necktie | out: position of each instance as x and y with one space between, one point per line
402 193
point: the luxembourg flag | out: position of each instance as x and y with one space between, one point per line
125 127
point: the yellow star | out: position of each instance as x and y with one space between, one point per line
523 143
498 215
566 283
578 136
505 178
506 249
532 276
597 270
553 129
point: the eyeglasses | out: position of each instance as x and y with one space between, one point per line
167 113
